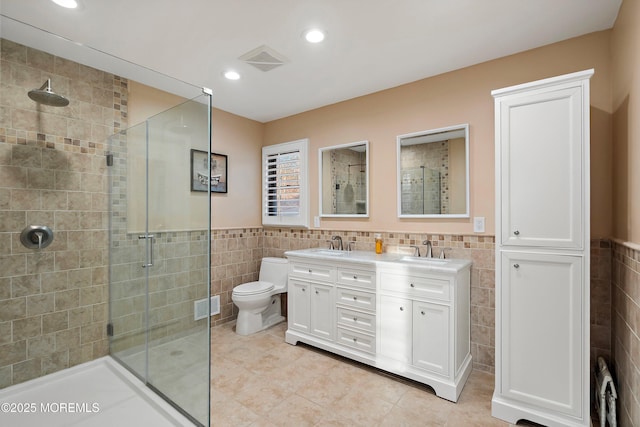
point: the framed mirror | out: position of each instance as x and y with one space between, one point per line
433 173
344 180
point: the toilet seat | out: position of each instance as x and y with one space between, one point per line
253 288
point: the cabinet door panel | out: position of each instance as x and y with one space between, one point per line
322 308
298 305
542 330
431 337
541 169
395 328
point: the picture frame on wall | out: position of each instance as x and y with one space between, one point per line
199 175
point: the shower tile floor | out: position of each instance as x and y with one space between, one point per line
260 380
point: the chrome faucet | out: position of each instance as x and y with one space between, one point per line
416 251
339 240
429 253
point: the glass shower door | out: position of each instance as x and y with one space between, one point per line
160 257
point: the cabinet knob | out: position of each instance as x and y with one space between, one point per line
310 271
317 292
516 265
412 285
355 339
355 319
401 308
303 289
355 277
355 298
422 312
517 233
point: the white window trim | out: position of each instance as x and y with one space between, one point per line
302 219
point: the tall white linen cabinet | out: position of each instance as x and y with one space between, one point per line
542 251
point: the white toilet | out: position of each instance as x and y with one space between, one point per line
259 302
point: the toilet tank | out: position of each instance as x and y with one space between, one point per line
274 270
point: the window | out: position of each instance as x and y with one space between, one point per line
285 192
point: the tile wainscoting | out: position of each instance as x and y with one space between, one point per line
625 337
236 258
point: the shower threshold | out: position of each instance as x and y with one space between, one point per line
96 393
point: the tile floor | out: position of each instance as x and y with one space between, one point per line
260 380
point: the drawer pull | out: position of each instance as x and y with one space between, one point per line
355 339
355 277
412 285
517 233
355 319
401 308
355 298
516 265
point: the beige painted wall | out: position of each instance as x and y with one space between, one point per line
237 137
625 48
462 96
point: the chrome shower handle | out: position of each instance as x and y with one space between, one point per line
150 237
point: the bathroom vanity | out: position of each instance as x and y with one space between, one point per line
405 315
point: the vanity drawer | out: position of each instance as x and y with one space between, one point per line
356 319
360 278
310 271
358 299
358 340
422 286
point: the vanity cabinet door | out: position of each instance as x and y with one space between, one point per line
431 337
298 305
395 328
321 310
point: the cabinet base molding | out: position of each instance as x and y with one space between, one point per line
512 412
442 387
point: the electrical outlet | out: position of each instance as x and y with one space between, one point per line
316 221
478 224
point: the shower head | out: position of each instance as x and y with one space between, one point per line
46 96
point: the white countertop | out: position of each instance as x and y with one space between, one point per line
382 260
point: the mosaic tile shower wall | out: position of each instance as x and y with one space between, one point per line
53 302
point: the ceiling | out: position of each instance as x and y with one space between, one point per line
370 45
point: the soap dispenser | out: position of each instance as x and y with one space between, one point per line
378 238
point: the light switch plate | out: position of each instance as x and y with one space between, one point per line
478 224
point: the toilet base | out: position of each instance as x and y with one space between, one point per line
249 323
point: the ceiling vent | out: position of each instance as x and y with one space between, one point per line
264 58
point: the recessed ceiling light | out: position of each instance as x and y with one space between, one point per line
314 35
231 75
69 4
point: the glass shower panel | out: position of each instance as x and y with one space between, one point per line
159 256
178 220
127 279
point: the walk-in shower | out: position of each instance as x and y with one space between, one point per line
98 297
159 251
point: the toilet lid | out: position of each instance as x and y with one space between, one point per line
253 288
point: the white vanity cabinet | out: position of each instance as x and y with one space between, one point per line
425 324
411 320
542 252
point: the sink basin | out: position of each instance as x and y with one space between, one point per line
426 261
330 252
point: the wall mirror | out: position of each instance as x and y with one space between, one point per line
344 180
433 173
